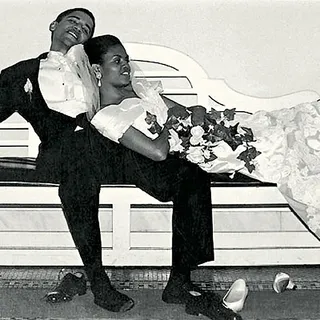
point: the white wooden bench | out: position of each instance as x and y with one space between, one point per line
253 224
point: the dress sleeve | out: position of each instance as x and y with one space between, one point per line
149 92
114 120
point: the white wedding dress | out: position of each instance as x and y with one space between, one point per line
288 139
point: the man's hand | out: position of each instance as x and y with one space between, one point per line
197 115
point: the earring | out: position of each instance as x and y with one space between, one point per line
99 76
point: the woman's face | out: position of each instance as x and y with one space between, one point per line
115 68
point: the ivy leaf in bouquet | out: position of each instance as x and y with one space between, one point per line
229 114
247 156
248 135
151 120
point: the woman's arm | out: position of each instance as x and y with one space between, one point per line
156 149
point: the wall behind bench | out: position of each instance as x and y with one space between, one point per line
262 48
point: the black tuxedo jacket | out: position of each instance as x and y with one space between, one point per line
54 129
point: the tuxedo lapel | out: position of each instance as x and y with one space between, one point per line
37 99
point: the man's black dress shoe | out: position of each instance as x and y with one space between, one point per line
107 297
70 285
114 301
178 291
208 304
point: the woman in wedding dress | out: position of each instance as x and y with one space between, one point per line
288 139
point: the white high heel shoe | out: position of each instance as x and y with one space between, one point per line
282 282
236 296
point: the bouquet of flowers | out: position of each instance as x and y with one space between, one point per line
212 139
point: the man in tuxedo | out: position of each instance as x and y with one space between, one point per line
47 92
42 90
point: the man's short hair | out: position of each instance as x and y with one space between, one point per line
86 11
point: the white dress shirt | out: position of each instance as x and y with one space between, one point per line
61 86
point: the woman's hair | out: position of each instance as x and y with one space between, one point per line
97 47
84 10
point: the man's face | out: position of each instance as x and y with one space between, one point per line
75 28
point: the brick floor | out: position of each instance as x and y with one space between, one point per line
257 278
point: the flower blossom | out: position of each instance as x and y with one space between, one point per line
194 154
196 135
28 88
175 142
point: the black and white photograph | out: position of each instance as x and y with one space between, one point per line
159 160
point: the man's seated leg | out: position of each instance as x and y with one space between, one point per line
79 193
